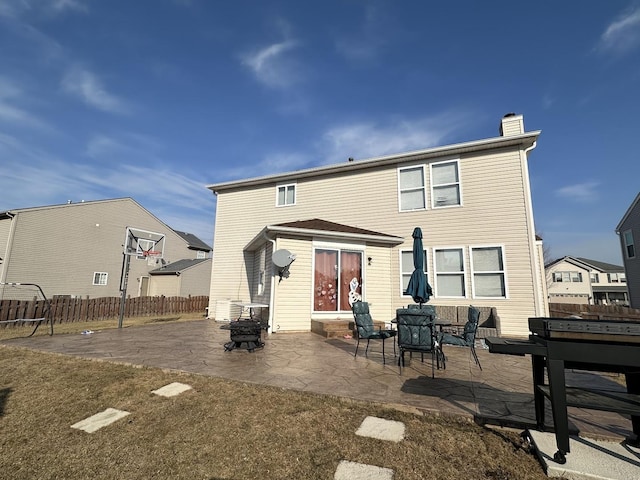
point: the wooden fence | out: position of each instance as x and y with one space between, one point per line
66 310
593 312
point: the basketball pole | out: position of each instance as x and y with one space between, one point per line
124 279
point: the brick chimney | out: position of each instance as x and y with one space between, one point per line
511 124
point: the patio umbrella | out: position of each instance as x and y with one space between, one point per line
418 287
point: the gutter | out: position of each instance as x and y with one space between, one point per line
325 233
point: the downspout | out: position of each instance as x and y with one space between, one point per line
539 302
7 254
272 285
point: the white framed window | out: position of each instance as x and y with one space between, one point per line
629 246
334 269
411 189
201 254
488 272
445 184
594 277
568 277
450 272
406 268
262 268
286 195
100 278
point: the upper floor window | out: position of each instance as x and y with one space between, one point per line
445 184
411 188
595 278
613 277
286 195
406 267
201 254
488 276
449 272
629 246
568 277
100 278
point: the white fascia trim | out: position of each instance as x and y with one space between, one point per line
326 233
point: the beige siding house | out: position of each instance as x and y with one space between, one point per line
77 249
584 281
354 221
629 231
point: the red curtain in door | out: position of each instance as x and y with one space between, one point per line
325 281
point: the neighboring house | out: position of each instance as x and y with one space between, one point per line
629 231
181 278
77 249
581 280
201 249
354 220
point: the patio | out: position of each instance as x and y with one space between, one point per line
500 394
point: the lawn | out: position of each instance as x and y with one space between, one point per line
220 429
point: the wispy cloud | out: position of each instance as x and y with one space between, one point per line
581 192
366 139
621 35
18 8
88 87
365 42
358 140
11 95
270 65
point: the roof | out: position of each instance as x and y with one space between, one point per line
524 140
14 211
194 242
628 212
588 264
317 227
177 267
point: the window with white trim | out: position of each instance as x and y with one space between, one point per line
100 278
411 189
445 184
449 272
567 277
594 277
629 246
286 195
406 268
201 254
488 273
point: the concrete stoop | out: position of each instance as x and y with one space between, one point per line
337 328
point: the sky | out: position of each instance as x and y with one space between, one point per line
155 99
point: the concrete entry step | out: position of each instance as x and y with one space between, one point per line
337 328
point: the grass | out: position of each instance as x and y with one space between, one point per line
220 429
12 331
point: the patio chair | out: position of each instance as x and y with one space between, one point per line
468 337
367 330
416 334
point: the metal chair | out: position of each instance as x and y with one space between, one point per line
367 330
416 334
468 337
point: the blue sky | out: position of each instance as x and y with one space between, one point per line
156 99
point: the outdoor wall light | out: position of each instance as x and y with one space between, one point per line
369 259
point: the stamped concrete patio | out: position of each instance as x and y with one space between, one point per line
500 394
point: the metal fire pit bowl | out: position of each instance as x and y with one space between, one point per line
244 334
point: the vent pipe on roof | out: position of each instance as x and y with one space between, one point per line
351 159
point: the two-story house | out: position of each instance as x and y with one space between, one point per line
629 231
584 281
354 220
76 249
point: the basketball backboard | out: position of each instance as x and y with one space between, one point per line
144 244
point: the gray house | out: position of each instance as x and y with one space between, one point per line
76 249
629 231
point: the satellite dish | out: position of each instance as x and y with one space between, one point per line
282 259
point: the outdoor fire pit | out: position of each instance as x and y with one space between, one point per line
244 334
